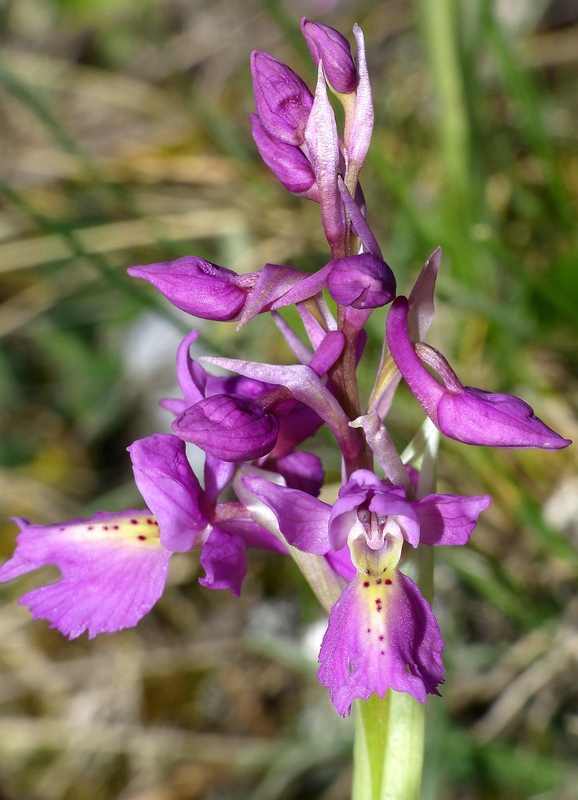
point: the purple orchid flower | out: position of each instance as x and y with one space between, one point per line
198 287
332 48
472 416
381 633
282 99
229 427
114 566
362 281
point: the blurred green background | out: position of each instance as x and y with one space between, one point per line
125 140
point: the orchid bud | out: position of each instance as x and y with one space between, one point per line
290 165
329 46
282 99
229 427
196 286
469 415
361 281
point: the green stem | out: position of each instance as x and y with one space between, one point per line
388 750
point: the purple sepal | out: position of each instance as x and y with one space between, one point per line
302 519
447 519
196 286
361 281
294 428
301 470
217 474
224 560
287 162
253 534
170 489
329 46
229 427
380 637
113 569
472 416
282 100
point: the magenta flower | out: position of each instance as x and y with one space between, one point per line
472 416
362 281
113 569
114 566
282 99
381 633
332 48
228 426
196 286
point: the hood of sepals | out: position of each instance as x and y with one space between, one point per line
361 281
196 286
332 48
229 427
282 99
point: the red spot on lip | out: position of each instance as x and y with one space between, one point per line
141 538
115 527
378 581
134 522
381 638
366 584
388 582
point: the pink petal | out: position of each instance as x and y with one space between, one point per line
113 569
381 635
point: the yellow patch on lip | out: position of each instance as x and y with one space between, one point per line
140 529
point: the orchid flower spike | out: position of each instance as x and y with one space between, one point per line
472 416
